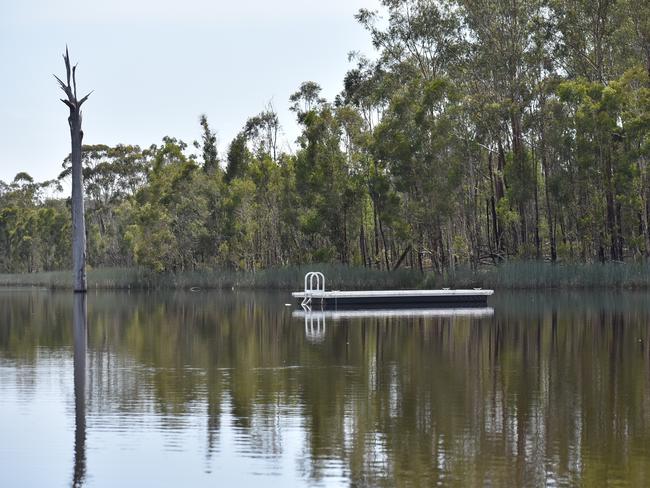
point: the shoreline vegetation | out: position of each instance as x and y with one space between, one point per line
512 275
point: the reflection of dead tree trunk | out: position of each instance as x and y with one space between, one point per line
76 136
80 332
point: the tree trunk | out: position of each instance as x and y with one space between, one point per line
500 192
619 232
612 228
78 219
549 210
493 209
362 243
345 236
376 258
488 225
383 240
450 248
646 219
538 242
76 136
402 257
519 162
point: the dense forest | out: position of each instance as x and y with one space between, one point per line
479 131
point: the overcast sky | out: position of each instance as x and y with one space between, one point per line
156 65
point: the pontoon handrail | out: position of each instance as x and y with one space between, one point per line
309 282
309 287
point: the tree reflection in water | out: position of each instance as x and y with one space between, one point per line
550 389
79 325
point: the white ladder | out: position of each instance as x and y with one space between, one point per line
314 285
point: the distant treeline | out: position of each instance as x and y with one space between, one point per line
482 131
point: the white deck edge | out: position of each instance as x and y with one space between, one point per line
393 293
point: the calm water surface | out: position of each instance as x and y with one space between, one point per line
207 389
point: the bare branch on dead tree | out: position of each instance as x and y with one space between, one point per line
69 89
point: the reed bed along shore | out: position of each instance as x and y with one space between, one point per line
511 275
337 277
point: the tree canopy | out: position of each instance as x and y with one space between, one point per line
481 131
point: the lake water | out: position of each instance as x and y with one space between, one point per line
230 389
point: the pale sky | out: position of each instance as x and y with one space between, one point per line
156 65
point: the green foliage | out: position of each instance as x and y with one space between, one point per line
482 132
209 147
238 157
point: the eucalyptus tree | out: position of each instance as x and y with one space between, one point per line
638 18
212 185
368 90
238 157
420 47
262 132
69 87
111 175
208 146
322 176
502 34
169 214
594 41
34 229
423 34
306 98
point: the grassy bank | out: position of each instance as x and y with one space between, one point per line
513 275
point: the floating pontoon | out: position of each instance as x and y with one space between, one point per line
314 297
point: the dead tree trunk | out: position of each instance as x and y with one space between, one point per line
76 137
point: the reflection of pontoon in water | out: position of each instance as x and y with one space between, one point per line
315 320
335 315
314 296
